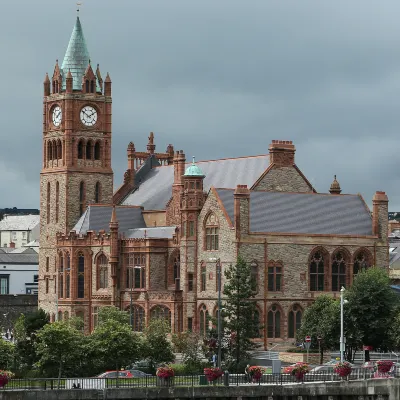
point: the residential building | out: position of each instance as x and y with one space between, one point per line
18 230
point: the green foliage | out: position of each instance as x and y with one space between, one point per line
321 319
370 309
190 345
6 354
59 346
157 348
113 313
114 344
239 308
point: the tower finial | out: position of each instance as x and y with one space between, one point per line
77 10
193 162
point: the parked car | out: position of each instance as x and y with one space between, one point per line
113 374
138 374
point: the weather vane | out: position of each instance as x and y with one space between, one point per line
78 4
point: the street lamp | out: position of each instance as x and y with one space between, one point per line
342 302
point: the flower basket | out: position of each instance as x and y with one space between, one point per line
299 370
384 366
5 377
212 374
165 372
343 369
256 373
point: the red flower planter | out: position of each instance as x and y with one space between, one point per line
384 366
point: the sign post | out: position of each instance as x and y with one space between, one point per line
307 344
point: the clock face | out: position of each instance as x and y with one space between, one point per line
57 116
88 116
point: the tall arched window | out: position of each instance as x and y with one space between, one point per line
97 193
294 320
274 322
80 149
81 276
67 276
317 271
102 271
161 312
48 202
97 151
49 150
339 264
57 199
212 232
362 261
59 149
87 86
138 318
275 273
203 280
254 275
89 148
203 318
91 86
61 277
82 196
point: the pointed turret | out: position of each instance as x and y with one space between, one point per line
46 85
56 79
76 57
107 85
335 187
99 78
89 80
69 82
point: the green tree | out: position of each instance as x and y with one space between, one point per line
25 331
321 320
157 347
190 344
59 345
113 313
370 310
240 309
6 354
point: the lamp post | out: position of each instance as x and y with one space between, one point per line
342 290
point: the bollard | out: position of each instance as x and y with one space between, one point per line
226 378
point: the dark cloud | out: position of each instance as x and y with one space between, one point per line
217 79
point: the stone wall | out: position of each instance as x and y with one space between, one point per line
12 306
283 179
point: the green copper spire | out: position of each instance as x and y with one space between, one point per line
194 170
76 58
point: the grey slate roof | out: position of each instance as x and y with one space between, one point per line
163 232
156 188
97 218
19 258
308 213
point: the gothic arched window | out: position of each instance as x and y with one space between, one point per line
49 150
89 147
362 261
161 312
254 275
102 271
80 149
212 232
294 320
97 193
339 268
138 318
317 271
67 276
203 318
82 196
57 199
97 151
87 86
61 277
81 276
59 149
91 86
274 322
48 202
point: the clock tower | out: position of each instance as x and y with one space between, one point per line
76 166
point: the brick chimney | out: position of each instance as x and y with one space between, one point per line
12 245
179 166
241 202
281 153
380 219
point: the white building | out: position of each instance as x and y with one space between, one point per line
19 271
18 230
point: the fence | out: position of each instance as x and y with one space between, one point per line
183 381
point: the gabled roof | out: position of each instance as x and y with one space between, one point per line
303 213
19 222
76 57
19 258
97 218
155 190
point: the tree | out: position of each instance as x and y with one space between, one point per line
157 348
190 345
240 308
6 354
59 345
370 310
112 313
321 320
25 331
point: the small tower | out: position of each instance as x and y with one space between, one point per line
114 252
335 187
151 146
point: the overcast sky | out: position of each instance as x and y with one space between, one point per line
217 78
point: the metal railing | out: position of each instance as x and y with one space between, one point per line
186 381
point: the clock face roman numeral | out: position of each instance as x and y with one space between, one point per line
57 116
88 116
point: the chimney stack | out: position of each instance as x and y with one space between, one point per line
281 153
